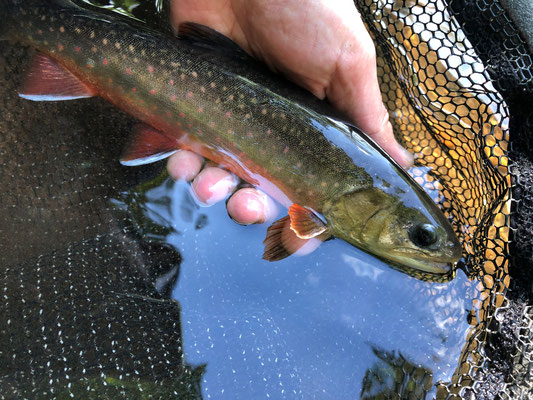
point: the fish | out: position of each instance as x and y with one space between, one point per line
201 92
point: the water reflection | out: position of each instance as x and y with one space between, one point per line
304 327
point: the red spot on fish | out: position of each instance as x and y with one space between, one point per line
173 98
189 95
200 109
171 82
60 47
286 149
134 90
182 115
89 66
128 71
105 61
152 91
78 49
150 69
228 114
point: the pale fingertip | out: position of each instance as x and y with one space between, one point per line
248 206
405 157
213 184
184 165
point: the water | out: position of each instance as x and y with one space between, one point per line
304 327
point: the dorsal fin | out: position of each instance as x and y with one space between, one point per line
201 35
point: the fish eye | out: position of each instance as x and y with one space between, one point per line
423 235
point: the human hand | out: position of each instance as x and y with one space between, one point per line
321 45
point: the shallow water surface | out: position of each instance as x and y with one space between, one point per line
332 324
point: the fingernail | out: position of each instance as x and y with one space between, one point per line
406 158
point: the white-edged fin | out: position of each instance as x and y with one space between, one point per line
147 145
147 160
47 80
46 97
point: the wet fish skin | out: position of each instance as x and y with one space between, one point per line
215 100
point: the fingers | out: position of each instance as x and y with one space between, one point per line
212 184
251 206
184 165
354 89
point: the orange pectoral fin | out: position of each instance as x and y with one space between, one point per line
305 223
147 145
47 80
281 241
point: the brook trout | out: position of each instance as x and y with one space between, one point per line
203 93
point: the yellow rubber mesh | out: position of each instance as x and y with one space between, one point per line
445 110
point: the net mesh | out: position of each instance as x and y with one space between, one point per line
450 74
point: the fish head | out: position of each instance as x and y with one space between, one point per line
413 235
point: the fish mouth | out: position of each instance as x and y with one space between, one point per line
437 267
